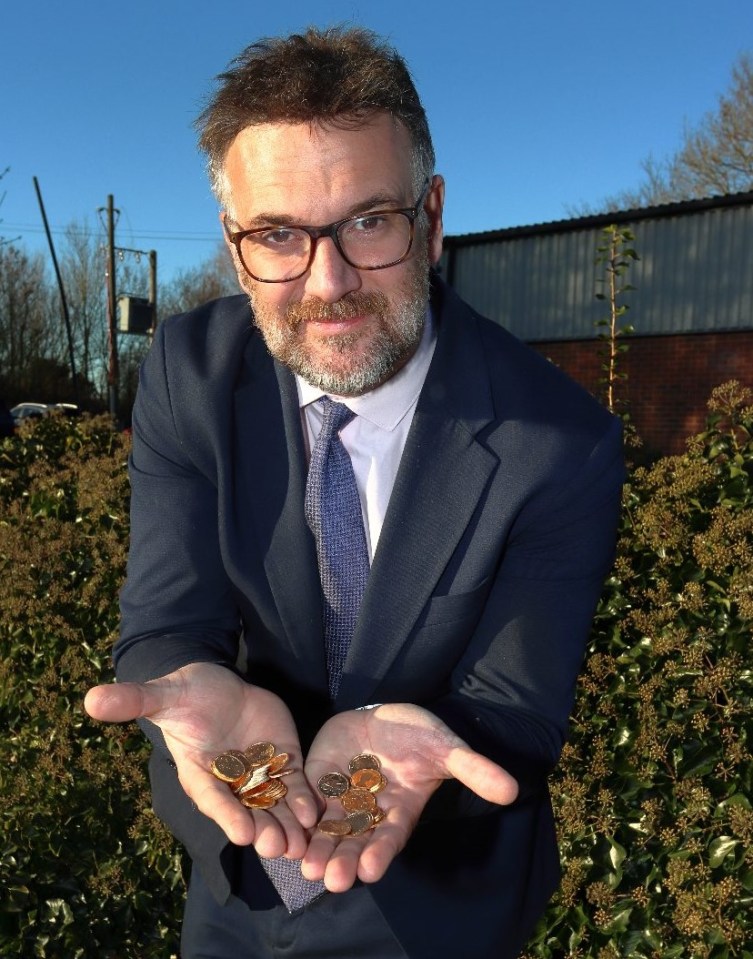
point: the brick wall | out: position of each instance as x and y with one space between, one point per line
669 379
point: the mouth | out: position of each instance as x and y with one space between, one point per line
345 316
334 325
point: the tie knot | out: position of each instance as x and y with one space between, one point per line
336 416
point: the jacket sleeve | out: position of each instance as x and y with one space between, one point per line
512 690
177 605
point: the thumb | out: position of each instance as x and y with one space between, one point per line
121 702
482 776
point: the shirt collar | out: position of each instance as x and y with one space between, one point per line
387 404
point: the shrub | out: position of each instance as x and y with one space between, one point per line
85 868
652 795
653 792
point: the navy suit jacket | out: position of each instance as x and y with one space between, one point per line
497 539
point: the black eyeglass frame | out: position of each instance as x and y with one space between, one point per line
331 230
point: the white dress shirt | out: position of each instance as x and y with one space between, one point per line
376 436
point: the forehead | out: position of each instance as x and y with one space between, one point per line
316 171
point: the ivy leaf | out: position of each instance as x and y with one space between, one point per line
616 854
720 848
620 919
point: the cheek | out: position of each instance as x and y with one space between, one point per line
268 299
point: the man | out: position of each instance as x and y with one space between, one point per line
487 496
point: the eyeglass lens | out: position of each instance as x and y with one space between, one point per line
367 242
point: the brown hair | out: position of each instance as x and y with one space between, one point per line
338 76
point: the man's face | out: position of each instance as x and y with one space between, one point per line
342 329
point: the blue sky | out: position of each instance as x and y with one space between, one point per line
536 106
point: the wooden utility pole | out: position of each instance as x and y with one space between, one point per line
153 287
113 373
61 288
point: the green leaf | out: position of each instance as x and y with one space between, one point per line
620 919
720 848
617 853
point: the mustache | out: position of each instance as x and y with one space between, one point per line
356 303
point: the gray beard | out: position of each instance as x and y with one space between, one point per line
391 349
393 344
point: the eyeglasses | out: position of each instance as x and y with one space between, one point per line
372 241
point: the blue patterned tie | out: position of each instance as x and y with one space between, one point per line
333 511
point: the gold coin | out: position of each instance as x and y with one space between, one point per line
269 789
333 784
252 788
276 790
378 815
252 778
229 766
370 779
281 773
357 800
360 822
335 827
258 802
277 763
364 761
259 753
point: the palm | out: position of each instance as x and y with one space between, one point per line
417 752
202 710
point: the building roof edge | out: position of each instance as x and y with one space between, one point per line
600 220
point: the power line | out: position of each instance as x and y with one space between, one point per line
176 235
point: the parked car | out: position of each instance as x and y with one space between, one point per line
24 411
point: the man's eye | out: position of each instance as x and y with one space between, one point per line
369 224
279 239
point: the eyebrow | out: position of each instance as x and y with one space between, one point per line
377 201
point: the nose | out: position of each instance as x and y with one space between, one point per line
329 277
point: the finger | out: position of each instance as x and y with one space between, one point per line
301 801
320 850
385 843
294 838
119 702
484 777
341 871
270 840
216 801
322 845
389 836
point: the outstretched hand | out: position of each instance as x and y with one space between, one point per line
202 710
417 752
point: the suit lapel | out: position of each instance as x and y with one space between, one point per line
442 475
270 485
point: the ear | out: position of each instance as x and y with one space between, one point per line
230 247
228 223
434 204
225 220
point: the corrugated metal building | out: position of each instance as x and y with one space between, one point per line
692 305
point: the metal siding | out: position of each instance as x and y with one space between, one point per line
695 273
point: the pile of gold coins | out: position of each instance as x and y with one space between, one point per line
254 774
357 795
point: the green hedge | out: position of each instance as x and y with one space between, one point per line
653 791
652 794
85 868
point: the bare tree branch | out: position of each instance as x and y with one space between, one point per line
715 158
